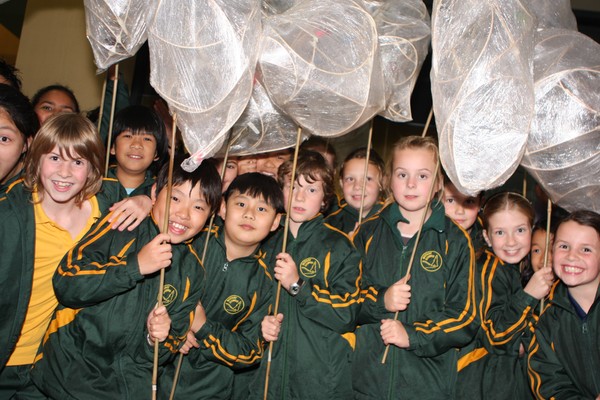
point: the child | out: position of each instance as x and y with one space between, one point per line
538 251
268 163
96 345
140 148
464 210
438 315
352 174
319 274
323 147
18 124
9 75
231 171
52 100
564 356
225 333
494 368
40 219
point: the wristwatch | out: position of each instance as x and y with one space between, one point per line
295 287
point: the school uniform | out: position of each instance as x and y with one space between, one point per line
564 356
144 189
310 359
237 299
9 182
439 318
346 217
96 345
491 367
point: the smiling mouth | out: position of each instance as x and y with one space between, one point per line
569 269
177 228
135 156
62 185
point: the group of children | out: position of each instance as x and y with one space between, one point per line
410 290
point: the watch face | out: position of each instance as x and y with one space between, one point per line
294 288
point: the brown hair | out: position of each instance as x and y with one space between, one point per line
414 143
506 201
74 135
313 167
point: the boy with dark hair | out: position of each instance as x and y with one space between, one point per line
97 345
139 145
225 333
320 273
9 75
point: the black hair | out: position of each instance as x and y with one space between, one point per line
61 88
18 107
139 119
255 184
205 174
11 74
320 145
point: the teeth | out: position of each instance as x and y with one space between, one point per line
572 270
178 226
62 184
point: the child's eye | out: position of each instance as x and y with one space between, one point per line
536 251
240 204
499 233
149 139
262 209
423 176
174 198
470 201
54 158
46 108
312 190
562 246
199 208
522 230
587 250
449 200
4 139
402 175
79 162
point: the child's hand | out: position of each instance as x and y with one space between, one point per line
393 332
286 271
353 231
199 318
130 212
190 343
540 283
397 296
158 324
155 255
271 326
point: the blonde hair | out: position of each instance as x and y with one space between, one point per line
74 135
415 143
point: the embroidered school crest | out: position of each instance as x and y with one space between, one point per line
309 267
169 294
233 304
431 261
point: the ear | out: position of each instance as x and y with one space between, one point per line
223 210
27 144
112 149
486 237
153 194
341 182
276 222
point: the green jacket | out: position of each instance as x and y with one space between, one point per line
310 360
564 356
439 318
96 345
346 217
490 367
9 183
17 235
238 298
144 189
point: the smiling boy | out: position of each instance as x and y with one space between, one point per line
225 334
97 344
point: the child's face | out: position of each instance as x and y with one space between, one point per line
53 102
538 248
576 255
12 146
412 176
231 172
134 152
352 182
61 177
461 208
188 211
509 235
246 164
248 220
307 199
268 163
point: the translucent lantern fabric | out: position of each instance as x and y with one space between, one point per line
116 29
482 88
202 56
320 66
563 150
404 35
553 14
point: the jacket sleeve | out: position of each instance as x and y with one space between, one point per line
98 267
507 311
454 324
333 300
240 346
547 377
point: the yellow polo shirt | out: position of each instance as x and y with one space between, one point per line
51 244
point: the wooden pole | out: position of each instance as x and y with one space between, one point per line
164 229
210 225
283 249
103 96
546 250
426 128
112 116
364 186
